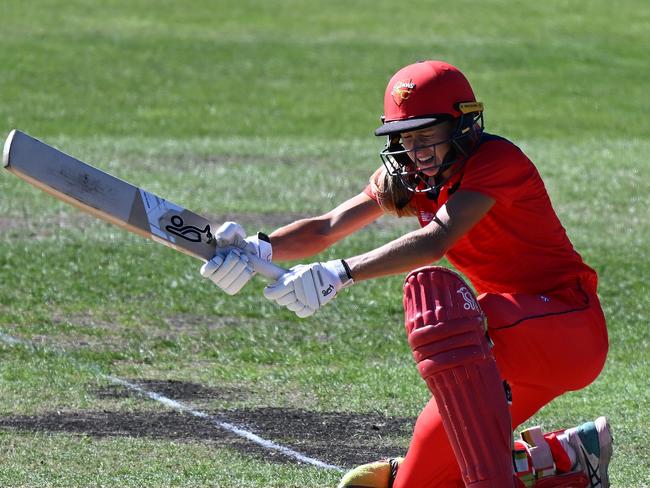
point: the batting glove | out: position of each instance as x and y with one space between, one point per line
305 288
230 269
231 234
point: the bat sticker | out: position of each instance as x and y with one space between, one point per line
188 232
156 208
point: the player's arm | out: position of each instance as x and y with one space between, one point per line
426 245
304 289
306 237
300 239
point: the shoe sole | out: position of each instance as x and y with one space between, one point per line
606 441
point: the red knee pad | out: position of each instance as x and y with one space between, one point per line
446 331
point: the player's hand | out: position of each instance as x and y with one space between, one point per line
229 270
305 288
231 234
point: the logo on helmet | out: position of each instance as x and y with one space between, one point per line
402 90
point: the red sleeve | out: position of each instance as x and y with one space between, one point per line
500 170
368 191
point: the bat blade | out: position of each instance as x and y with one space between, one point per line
113 199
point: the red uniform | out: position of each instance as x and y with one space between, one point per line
539 297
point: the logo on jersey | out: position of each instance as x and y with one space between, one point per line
402 90
470 303
426 216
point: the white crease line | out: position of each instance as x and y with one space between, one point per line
180 407
270 445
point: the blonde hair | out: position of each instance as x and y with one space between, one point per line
393 197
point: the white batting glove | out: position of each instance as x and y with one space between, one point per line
305 288
231 234
230 269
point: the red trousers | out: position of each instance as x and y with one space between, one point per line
544 345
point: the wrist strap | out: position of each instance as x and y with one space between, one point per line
264 246
347 269
342 271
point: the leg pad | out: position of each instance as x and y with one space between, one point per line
446 331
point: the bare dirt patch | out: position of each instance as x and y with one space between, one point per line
86 330
106 334
176 390
75 342
190 324
46 226
342 438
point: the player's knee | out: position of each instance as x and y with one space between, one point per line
444 323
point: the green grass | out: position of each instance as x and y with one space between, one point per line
65 461
264 111
302 68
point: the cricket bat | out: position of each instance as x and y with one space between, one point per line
115 200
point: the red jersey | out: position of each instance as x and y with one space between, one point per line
520 244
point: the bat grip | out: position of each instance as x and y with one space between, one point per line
262 266
266 268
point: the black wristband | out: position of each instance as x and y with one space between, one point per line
347 269
263 237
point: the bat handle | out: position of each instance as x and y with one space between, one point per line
266 268
262 266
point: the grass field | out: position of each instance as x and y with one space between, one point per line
263 112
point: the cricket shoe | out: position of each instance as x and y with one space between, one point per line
592 442
380 474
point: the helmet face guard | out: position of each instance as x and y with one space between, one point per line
401 162
422 95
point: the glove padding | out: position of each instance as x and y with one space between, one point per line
231 234
230 269
305 288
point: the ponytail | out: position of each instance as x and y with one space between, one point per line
392 195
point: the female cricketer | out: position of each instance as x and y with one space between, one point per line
535 330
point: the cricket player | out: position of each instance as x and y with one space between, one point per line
535 330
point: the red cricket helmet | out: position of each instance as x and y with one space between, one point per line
424 93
